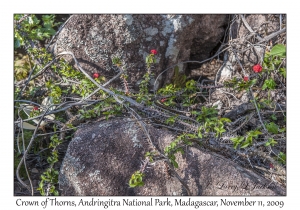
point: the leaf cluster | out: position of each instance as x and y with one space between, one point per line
33 28
136 179
245 141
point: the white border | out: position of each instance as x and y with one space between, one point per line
148 6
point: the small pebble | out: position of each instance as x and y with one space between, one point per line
34 170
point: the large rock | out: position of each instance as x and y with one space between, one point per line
103 155
96 39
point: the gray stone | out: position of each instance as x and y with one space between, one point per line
103 155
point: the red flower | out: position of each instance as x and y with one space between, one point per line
246 78
153 52
257 68
163 100
271 165
35 108
96 75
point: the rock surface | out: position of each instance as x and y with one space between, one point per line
96 39
103 155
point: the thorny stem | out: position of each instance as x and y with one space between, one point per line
107 83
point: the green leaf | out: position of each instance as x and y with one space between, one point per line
173 145
256 133
217 129
245 144
139 179
48 31
249 139
282 130
272 128
237 140
131 183
43 178
192 136
252 82
17 43
222 130
278 50
282 71
271 142
281 158
223 119
199 134
175 164
273 117
269 83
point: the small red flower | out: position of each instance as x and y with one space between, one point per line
153 52
271 165
246 78
257 68
35 108
96 75
163 100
